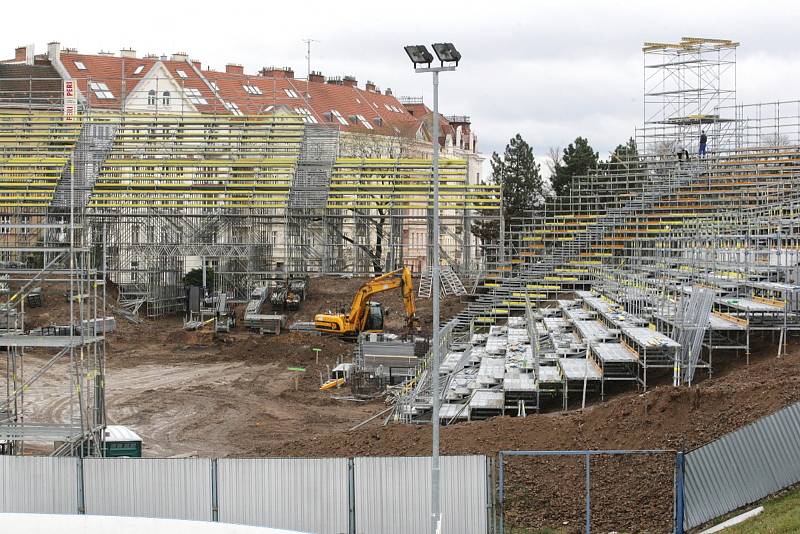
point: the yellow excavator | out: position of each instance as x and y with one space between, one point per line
366 316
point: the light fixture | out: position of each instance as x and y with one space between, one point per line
419 54
447 53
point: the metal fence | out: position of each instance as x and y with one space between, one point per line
40 485
136 487
743 466
673 499
302 494
384 503
321 496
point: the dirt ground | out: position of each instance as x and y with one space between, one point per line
196 393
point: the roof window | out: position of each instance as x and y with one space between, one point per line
181 73
194 96
364 122
139 69
101 91
252 89
307 115
79 65
339 117
291 94
233 108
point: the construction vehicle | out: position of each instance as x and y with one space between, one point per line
288 295
367 316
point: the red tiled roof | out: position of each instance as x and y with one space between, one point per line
121 77
323 99
384 113
195 81
110 70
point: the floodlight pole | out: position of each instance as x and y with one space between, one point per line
435 281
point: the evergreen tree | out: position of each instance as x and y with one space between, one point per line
578 158
520 178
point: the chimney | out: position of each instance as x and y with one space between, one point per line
388 91
180 56
334 81
349 81
105 53
370 87
53 51
281 73
196 63
233 68
316 77
128 53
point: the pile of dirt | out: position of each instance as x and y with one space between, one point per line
634 493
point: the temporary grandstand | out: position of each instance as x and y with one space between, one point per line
137 198
653 265
255 177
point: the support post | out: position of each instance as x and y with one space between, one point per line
501 496
435 274
588 494
680 458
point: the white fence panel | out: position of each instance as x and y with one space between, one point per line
41 485
309 495
393 495
138 487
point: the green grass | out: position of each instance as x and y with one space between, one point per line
781 514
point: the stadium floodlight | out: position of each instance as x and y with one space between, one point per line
447 53
419 54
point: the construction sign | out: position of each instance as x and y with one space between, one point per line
70 100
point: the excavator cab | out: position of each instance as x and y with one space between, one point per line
374 322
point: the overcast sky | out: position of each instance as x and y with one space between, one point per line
548 70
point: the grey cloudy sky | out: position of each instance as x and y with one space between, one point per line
548 70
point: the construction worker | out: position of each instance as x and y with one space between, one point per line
703 140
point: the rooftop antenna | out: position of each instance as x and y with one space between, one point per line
308 41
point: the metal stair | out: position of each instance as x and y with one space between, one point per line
449 283
91 151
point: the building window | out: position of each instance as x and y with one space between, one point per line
307 115
339 117
165 98
151 97
101 91
364 122
194 96
4 220
233 108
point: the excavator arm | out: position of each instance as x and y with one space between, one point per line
354 321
